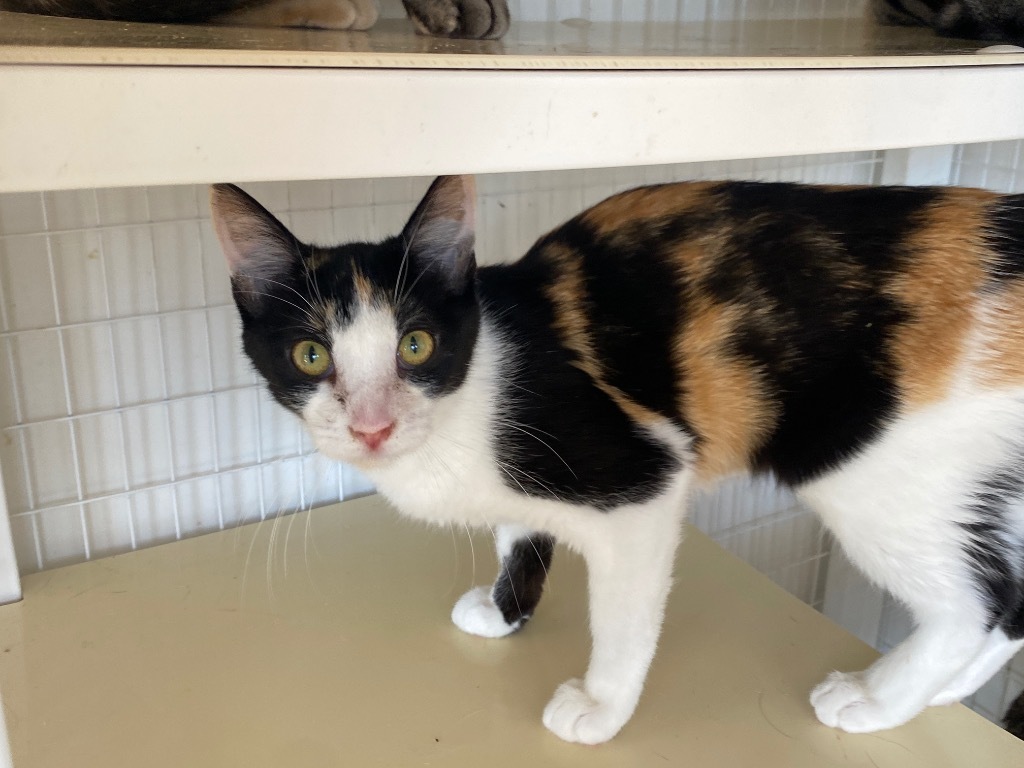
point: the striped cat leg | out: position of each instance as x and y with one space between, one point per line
501 609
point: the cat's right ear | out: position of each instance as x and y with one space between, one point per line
259 250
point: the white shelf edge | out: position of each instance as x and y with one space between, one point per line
99 126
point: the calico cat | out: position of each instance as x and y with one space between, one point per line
996 20
864 345
443 18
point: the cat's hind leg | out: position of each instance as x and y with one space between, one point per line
903 682
998 650
933 512
524 558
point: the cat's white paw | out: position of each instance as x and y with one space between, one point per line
843 701
476 614
574 715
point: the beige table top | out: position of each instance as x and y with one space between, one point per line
324 640
573 44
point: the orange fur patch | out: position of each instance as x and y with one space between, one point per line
1003 364
364 290
649 203
723 398
939 287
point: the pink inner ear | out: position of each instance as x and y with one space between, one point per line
454 198
228 215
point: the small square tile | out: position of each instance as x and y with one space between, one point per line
61 536
138 364
26 543
192 436
101 454
108 524
178 260
198 505
314 227
71 209
351 193
240 492
38 374
230 366
148 446
128 254
309 195
12 464
175 203
92 378
25 283
125 205
50 453
21 213
186 353
79 266
237 435
154 517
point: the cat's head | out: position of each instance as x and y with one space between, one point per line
361 340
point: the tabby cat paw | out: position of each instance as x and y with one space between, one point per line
843 701
476 19
574 715
476 614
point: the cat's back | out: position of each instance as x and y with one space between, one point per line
750 313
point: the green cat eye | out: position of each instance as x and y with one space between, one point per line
416 347
311 357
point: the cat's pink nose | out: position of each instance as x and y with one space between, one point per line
372 438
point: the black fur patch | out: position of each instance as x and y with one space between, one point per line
633 307
520 581
811 266
1014 718
991 550
1005 236
560 437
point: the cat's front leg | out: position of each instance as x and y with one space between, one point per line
629 555
524 557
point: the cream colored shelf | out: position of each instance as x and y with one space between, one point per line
574 44
331 645
87 104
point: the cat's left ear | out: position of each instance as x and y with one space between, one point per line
441 233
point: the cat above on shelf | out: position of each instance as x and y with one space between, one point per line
863 345
993 20
442 18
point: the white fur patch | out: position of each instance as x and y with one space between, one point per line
476 614
368 394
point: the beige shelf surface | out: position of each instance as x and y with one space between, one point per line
324 640
570 45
